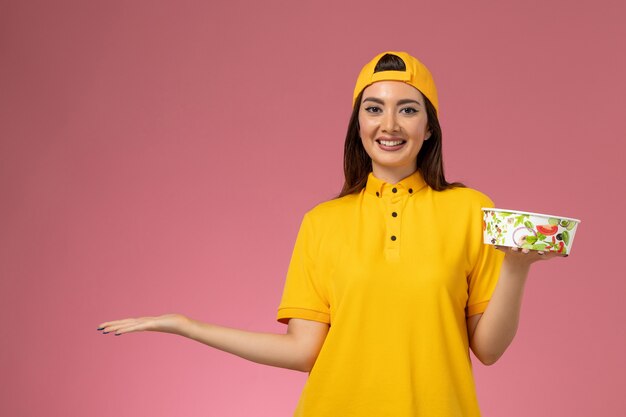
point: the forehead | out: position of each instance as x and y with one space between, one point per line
392 90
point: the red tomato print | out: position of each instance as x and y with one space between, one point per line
547 229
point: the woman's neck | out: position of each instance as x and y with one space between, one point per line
392 175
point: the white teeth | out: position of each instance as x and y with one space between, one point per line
390 142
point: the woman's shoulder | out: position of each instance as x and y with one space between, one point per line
465 196
334 208
329 215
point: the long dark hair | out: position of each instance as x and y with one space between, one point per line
356 162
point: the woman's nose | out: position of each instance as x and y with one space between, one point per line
389 123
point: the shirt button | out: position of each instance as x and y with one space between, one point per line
377 194
410 190
395 190
394 214
393 238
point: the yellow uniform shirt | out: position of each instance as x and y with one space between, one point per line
395 270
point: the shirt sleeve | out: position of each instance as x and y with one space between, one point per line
303 294
486 271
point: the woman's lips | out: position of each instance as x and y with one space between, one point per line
390 144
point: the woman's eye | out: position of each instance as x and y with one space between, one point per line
409 110
373 109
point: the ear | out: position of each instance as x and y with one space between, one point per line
427 135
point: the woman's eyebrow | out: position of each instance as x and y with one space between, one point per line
375 100
408 100
400 102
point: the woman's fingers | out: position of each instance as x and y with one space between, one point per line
115 323
130 328
528 256
168 323
127 325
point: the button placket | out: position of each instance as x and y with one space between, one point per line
392 215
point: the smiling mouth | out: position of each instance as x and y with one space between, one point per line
390 142
390 145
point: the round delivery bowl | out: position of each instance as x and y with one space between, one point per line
521 229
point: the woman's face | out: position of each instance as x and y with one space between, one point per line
392 125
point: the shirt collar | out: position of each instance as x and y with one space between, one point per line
407 186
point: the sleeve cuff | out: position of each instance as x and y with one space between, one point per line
284 314
477 308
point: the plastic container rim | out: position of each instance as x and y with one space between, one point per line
527 212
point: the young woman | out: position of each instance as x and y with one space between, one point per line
389 284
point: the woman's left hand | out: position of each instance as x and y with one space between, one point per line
527 256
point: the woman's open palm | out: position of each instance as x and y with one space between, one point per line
167 323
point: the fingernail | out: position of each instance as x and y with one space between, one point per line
106 332
118 334
100 328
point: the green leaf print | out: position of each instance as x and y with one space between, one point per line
565 236
531 239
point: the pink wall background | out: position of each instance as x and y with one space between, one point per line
158 157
